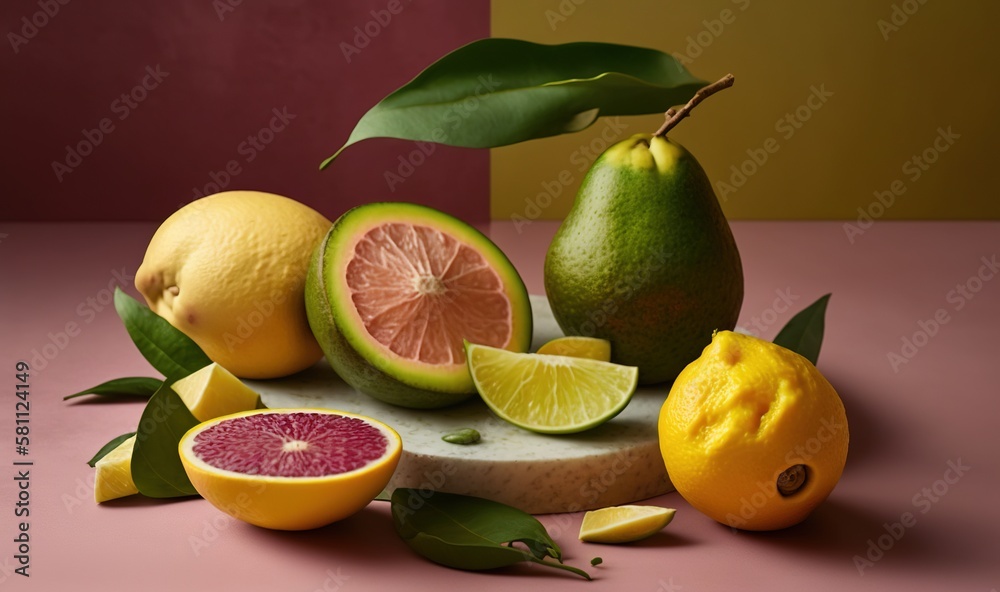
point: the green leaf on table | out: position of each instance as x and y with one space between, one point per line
495 92
156 464
133 386
109 447
804 332
166 348
471 533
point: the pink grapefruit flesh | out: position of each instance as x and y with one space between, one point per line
291 445
420 293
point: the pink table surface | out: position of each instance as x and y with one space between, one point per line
908 425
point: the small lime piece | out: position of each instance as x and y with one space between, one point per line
578 347
213 392
624 524
114 473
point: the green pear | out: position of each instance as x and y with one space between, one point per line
646 259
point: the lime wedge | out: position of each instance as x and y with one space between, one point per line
624 524
550 394
578 347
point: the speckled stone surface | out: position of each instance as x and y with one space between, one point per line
616 463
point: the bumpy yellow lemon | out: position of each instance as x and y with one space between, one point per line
752 434
229 270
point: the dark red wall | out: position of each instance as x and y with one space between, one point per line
225 67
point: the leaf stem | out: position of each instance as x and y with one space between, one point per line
674 116
569 568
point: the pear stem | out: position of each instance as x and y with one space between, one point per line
674 116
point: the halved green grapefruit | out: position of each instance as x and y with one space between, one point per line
395 289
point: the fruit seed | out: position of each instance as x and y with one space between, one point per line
463 436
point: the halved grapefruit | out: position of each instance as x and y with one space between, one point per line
290 469
394 290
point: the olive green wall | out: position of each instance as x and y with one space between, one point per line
833 103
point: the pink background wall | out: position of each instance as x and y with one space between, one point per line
225 69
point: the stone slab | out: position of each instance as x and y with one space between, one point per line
613 464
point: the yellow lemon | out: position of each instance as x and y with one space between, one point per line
624 524
114 474
229 270
214 391
290 469
752 434
578 347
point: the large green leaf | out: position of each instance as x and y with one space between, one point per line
166 348
804 332
156 464
471 533
495 92
132 386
